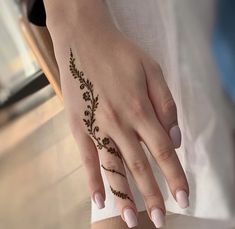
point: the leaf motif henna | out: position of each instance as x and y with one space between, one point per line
89 113
120 194
113 171
89 119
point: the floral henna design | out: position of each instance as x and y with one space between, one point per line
89 121
113 171
88 96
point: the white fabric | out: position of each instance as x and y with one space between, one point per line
177 34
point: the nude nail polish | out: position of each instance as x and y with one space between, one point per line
99 200
158 217
130 217
175 135
182 199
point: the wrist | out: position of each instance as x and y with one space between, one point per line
84 17
58 9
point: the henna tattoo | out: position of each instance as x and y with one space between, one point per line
113 171
120 194
89 96
89 121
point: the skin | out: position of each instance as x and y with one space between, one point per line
134 103
118 223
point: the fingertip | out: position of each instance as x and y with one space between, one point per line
130 217
175 135
99 200
182 198
158 217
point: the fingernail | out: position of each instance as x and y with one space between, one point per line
158 217
182 199
130 217
99 200
175 135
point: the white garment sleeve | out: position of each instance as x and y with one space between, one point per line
176 34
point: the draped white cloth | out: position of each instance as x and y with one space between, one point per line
177 34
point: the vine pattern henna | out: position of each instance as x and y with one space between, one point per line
88 96
113 171
89 121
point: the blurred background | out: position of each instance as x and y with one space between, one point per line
38 177
40 168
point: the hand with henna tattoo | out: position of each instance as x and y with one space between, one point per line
90 121
115 96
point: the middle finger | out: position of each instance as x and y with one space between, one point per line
139 166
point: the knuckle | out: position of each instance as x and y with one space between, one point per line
153 195
164 154
169 107
110 165
139 167
150 194
157 67
138 108
110 114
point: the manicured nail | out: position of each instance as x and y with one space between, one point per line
158 217
175 135
182 199
130 217
99 200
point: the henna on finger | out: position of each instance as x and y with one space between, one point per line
89 120
113 171
120 194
